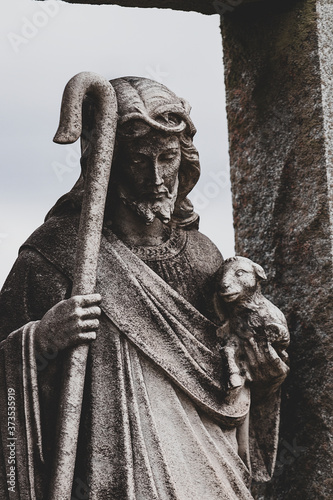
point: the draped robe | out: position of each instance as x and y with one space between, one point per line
154 424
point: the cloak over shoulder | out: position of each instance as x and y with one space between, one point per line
154 424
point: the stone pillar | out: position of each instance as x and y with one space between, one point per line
279 83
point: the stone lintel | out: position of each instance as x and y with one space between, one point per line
202 6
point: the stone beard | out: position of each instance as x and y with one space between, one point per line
161 206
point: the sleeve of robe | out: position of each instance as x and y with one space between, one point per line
32 288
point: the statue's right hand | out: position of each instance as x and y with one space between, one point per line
68 323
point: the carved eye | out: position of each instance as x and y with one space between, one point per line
138 160
167 156
240 272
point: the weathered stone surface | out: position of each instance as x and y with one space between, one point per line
279 113
279 89
325 46
251 324
137 383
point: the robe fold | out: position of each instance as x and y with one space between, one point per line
154 423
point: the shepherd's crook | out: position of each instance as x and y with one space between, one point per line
91 222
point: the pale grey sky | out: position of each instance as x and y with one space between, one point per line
44 46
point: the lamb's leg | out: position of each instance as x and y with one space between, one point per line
229 356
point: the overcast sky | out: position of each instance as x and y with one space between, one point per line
42 49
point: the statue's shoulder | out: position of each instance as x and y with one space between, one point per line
56 240
203 252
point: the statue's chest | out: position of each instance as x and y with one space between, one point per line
191 282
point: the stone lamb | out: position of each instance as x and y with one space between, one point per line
248 319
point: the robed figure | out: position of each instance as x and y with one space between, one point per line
156 422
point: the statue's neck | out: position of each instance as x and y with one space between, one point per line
132 229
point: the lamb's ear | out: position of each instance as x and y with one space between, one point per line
260 272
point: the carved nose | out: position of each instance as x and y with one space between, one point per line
157 176
224 287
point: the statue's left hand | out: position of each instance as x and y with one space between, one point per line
267 370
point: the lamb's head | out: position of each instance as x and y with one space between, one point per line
240 280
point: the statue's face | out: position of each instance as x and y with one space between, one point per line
148 174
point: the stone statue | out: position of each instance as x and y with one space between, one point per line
251 324
160 419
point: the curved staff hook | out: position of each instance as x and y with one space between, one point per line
89 237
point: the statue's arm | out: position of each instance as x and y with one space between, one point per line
33 286
35 300
37 291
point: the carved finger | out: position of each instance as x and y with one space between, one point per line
89 325
81 338
87 300
273 355
276 368
284 356
87 336
282 369
274 358
264 363
90 312
258 354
